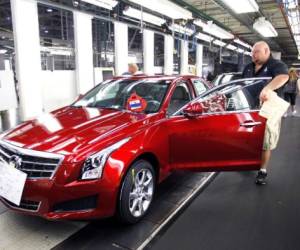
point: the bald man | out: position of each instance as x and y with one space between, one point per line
263 65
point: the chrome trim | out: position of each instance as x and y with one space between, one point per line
250 124
40 163
33 153
29 152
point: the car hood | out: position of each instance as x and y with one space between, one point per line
69 130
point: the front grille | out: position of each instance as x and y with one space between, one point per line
34 166
85 203
26 205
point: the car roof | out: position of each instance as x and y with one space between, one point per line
161 77
232 73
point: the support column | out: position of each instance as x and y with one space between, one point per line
168 54
148 49
184 57
199 59
83 51
241 62
28 57
121 48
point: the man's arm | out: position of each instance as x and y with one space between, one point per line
276 83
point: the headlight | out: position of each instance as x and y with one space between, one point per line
93 166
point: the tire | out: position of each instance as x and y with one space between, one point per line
137 191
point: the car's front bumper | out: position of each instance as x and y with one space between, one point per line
75 200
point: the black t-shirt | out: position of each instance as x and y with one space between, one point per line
271 68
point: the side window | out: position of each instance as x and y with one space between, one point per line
180 97
226 101
237 101
199 86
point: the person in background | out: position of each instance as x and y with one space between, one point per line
210 76
133 69
291 89
263 65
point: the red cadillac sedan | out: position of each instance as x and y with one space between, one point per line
104 154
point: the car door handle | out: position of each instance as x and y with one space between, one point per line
250 124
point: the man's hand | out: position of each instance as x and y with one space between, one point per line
276 83
265 94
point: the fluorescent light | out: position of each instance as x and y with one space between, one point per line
240 50
291 8
3 51
264 27
219 43
204 37
213 29
242 6
231 47
106 4
181 29
247 53
146 16
240 42
166 8
49 10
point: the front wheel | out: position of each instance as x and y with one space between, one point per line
137 192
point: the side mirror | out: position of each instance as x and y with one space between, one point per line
193 110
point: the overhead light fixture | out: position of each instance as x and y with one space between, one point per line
106 4
240 42
49 10
264 27
231 47
204 37
166 8
291 8
3 51
213 29
240 50
242 6
180 29
248 53
135 13
219 43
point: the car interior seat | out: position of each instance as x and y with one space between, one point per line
179 98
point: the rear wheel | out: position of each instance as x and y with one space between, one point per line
137 192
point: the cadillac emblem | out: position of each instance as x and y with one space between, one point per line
15 161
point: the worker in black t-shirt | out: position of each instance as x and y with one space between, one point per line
263 65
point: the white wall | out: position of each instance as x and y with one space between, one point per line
58 88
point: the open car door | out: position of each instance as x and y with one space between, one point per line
220 130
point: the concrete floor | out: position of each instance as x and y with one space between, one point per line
233 213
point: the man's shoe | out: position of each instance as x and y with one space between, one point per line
261 178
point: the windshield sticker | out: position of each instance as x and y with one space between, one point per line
136 103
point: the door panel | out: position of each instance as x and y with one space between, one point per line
212 142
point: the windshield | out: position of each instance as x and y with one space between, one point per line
137 96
